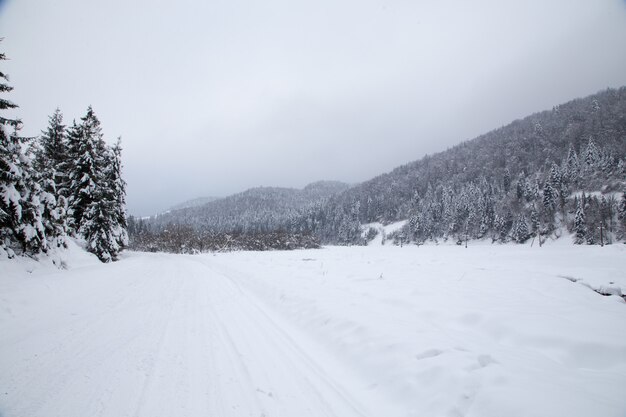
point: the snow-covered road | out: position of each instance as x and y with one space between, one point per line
332 332
159 335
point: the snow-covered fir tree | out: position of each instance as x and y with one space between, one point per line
52 150
520 229
87 153
104 221
118 186
21 226
591 156
580 227
506 180
621 216
99 227
97 192
572 166
50 157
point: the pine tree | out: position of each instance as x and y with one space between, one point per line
535 225
104 224
50 158
4 103
549 198
572 166
31 228
534 191
520 229
506 181
580 227
53 148
621 215
20 208
99 226
10 206
521 186
605 214
555 177
591 210
559 187
68 167
592 156
87 151
118 189
505 225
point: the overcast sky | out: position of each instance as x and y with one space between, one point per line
213 97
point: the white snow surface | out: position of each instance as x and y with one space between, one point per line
491 330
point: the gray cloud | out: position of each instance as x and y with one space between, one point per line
215 97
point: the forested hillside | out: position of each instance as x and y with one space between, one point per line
557 170
260 209
259 218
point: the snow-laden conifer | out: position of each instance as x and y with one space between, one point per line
50 159
87 151
21 226
580 227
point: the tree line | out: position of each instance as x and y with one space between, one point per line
180 238
66 182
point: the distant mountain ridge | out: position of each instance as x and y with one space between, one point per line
260 209
195 202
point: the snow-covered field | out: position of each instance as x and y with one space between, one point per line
363 331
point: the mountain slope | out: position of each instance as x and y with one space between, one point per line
494 179
195 202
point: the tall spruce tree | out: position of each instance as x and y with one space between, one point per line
592 156
520 229
117 187
52 152
50 158
506 180
580 227
549 206
621 215
99 227
20 208
97 190
87 151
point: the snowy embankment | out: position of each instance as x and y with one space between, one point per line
414 331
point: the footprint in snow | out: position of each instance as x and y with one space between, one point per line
430 353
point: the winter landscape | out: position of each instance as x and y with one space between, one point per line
346 331
340 209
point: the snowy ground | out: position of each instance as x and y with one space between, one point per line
369 331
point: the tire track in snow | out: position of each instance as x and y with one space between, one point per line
167 335
281 356
155 363
77 336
